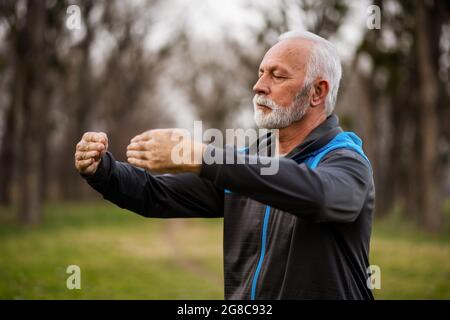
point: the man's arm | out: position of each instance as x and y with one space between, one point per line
335 191
161 196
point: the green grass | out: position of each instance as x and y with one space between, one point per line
124 256
121 256
414 264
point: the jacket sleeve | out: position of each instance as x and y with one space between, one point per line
160 196
335 191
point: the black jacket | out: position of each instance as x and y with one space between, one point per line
303 233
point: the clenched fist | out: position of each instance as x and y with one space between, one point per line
89 152
166 151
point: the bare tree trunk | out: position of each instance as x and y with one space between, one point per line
428 122
32 52
371 116
7 156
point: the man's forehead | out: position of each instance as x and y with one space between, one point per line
289 53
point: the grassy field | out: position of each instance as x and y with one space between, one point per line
124 256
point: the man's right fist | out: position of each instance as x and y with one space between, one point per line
89 151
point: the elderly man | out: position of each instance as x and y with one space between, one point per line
301 233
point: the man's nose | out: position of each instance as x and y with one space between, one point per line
261 86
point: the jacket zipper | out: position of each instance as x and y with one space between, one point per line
265 226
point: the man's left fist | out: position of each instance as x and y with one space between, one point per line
166 151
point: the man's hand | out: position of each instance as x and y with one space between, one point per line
89 151
166 151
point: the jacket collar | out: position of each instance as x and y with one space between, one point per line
318 138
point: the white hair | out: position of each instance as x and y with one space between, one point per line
323 62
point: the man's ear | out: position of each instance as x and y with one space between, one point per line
320 91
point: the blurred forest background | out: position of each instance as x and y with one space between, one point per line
143 64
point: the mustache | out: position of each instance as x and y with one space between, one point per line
260 99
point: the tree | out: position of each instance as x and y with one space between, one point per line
407 127
31 52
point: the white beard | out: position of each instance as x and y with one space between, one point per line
280 117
